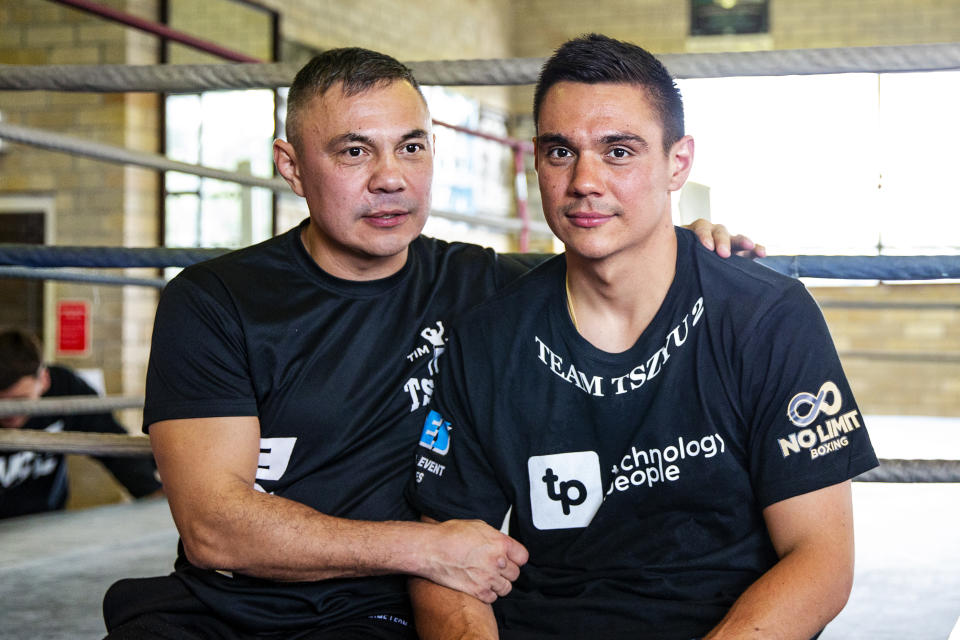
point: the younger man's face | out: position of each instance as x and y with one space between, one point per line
604 178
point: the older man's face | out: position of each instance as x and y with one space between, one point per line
365 167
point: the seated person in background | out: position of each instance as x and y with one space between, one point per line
673 431
31 482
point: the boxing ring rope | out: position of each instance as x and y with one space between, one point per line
889 268
52 141
500 72
30 261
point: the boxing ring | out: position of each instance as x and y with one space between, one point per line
54 568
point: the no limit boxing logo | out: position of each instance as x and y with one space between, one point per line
565 489
812 405
804 409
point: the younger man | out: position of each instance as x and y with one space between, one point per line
673 431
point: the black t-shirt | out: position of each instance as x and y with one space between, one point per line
637 479
32 482
334 370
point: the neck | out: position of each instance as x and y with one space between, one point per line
347 265
614 299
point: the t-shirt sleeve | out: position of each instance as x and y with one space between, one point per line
453 475
198 357
806 430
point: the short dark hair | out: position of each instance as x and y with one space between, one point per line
358 69
20 355
596 59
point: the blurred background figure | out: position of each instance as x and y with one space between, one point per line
32 482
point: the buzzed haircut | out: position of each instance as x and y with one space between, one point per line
597 59
20 355
358 69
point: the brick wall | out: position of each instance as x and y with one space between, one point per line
96 203
899 360
900 345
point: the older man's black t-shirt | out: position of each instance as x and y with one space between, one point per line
335 371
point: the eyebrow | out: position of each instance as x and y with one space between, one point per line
612 138
553 138
352 136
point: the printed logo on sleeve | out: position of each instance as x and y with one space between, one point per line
275 454
565 489
805 408
436 433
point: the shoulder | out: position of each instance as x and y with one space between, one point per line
742 288
64 382
255 268
523 298
468 258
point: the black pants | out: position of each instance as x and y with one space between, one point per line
162 608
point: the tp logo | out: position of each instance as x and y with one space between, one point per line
565 489
815 404
436 433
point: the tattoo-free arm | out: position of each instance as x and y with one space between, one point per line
813 536
208 467
446 614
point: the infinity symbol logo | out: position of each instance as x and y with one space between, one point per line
816 403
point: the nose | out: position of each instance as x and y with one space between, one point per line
587 178
387 176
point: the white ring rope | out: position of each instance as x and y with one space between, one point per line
56 141
69 405
507 71
67 275
99 444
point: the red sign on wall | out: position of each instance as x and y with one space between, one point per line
73 327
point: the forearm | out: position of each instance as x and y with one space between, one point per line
271 537
445 614
796 598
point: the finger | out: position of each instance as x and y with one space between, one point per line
760 251
511 573
704 231
486 595
502 587
721 240
517 553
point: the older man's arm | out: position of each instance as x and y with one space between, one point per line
813 536
208 467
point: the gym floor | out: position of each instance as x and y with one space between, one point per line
54 568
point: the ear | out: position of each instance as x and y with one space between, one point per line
681 162
285 157
44 380
433 144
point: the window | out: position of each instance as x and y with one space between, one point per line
838 164
230 130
